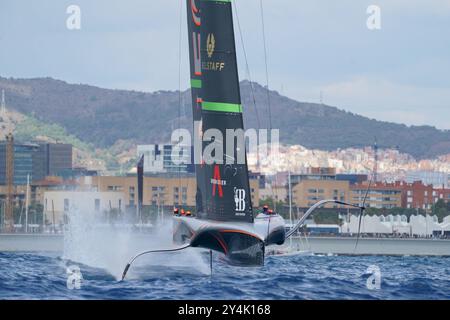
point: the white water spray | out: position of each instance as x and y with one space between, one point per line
91 241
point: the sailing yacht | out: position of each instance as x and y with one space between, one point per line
225 219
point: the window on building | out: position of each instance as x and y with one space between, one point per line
115 188
66 205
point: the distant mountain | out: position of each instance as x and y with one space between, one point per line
103 117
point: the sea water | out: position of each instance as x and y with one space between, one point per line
96 253
46 276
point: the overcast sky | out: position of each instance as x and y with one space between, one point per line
400 73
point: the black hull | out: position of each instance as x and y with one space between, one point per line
239 247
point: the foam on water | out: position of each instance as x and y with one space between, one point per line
110 246
40 276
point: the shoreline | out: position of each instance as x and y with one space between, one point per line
375 246
314 244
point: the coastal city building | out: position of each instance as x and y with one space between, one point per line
435 178
392 165
36 161
58 204
379 195
306 193
418 195
273 191
22 162
444 194
57 186
159 158
51 159
163 191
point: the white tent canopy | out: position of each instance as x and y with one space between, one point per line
417 225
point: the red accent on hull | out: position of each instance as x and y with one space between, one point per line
218 179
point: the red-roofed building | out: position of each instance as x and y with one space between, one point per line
418 195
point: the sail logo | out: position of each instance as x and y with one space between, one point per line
213 66
210 45
217 182
239 199
210 49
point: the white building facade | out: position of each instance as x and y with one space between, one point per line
58 204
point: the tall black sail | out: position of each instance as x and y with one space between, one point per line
223 191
